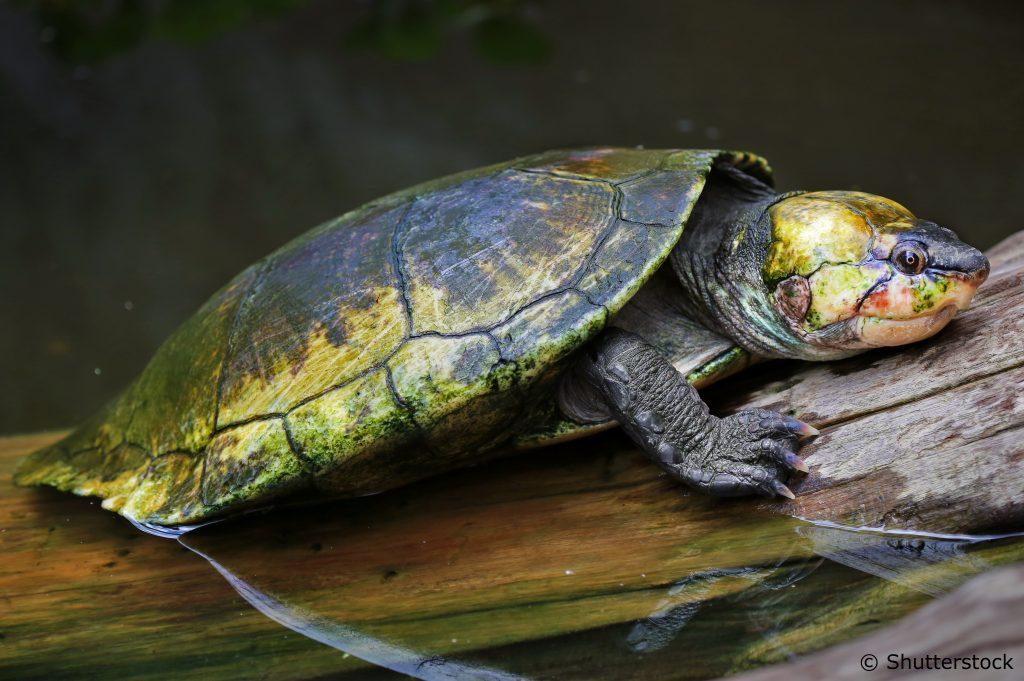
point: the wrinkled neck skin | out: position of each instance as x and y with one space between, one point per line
719 263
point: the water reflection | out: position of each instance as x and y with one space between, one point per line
929 565
576 567
351 641
681 603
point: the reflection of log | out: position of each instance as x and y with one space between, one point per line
488 550
982 618
927 437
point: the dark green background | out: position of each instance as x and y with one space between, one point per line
146 156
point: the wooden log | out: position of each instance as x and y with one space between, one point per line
564 562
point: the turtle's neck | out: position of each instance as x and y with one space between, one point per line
719 260
722 298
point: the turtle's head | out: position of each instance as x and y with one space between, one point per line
850 271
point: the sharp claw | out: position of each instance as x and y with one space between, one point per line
782 490
796 463
802 430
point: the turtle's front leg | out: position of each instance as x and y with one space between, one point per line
622 377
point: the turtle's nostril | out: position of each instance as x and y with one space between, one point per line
976 267
984 270
974 264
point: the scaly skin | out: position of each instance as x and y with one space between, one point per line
747 453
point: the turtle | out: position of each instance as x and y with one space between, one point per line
513 306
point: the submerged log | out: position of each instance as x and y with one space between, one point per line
572 560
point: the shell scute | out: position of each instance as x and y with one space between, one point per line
345 431
546 333
662 198
618 264
171 491
476 254
252 461
324 310
460 393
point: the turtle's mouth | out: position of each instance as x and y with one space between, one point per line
881 332
897 319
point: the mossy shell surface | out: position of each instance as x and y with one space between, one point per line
410 336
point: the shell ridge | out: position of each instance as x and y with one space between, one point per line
409 409
570 177
397 255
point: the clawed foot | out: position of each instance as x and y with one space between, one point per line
752 452
625 378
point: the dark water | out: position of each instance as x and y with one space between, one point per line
149 151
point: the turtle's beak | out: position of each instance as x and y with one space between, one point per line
969 281
964 266
953 258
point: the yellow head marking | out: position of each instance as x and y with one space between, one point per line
877 210
834 227
836 291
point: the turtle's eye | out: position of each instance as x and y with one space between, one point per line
909 257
